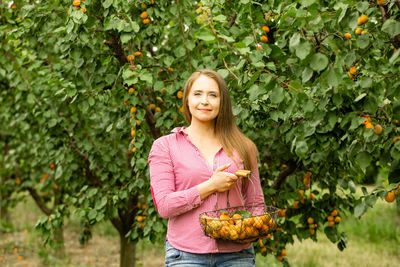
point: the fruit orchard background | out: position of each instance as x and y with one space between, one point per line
87 86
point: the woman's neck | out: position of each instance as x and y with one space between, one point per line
203 130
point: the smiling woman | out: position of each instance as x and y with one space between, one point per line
194 166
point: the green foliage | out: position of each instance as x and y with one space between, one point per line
65 100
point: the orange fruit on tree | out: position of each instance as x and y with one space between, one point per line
331 223
312 231
362 19
18 181
83 10
296 204
133 109
330 218
283 252
358 31
138 54
311 196
347 35
263 250
137 122
152 106
264 39
144 15
378 129
52 165
334 213
390 197
76 3
381 2
179 94
310 220
146 21
337 219
140 218
131 90
181 109
279 258
265 28
353 70
142 226
133 132
158 109
130 58
261 243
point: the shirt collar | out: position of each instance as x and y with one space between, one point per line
179 130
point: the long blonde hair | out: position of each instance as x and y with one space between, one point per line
232 139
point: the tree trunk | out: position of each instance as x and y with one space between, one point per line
128 252
5 218
59 242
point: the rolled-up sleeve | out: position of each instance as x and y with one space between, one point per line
169 202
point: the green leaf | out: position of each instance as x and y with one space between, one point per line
392 27
303 50
370 200
224 73
107 3
364 160
205 34
360 209
319 62
332 78
277 95
363 41
294 40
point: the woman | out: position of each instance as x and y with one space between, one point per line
191 166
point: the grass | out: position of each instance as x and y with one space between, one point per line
373 240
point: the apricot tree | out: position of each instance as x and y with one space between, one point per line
89 85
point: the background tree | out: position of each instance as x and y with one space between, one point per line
89 85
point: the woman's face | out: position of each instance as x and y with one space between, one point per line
204 99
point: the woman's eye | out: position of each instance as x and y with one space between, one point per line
197 94
213 95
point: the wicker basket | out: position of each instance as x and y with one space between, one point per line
241 224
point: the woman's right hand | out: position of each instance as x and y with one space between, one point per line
223 181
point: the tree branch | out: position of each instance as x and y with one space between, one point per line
232 21
117 224
184 38
95 180
39 202
117 48
292 166
150 119
384 13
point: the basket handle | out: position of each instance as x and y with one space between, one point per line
241 194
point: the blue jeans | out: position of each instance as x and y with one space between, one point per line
175 257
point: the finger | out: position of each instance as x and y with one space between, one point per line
221 168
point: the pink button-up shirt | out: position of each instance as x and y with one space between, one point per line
176 168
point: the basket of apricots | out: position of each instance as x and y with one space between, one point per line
241 224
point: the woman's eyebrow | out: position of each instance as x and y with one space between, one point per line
200 90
